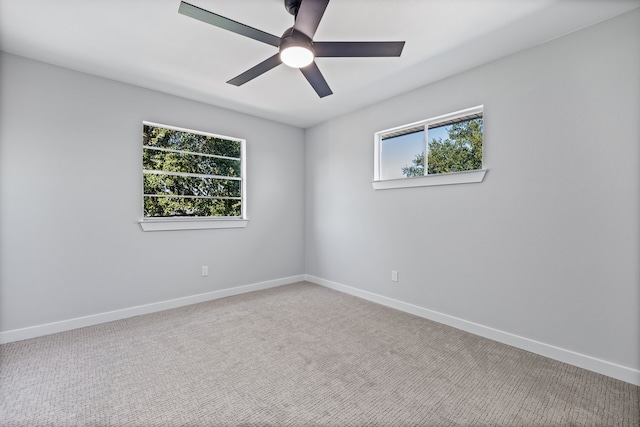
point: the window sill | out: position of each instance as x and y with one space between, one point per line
190 224
467 177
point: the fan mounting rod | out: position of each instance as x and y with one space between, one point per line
292 6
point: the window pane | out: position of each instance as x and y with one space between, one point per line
189 163
190 186
178 206
402 156
191 173
185 141
455 147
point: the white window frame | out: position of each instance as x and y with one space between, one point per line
464 177
199 223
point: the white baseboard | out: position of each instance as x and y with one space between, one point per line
94 319
603 367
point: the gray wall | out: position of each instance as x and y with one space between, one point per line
70 187
547 246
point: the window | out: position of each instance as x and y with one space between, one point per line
452 144
191 179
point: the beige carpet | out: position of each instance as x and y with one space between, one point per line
297 355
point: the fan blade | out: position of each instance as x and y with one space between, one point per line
227 24
357 49
309 15
254 72
315 77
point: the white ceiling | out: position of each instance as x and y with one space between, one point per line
147 43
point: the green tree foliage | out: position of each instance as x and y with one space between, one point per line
462 151
211 193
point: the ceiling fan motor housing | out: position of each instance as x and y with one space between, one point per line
292 37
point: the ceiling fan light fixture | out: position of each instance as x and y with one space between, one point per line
296 56
296 49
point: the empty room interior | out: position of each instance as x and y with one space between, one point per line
194 232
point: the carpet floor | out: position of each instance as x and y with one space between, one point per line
295 355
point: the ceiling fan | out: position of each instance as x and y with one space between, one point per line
296 47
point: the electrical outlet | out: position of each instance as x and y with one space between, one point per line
205 270
394 276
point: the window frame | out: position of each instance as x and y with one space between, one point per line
198 223
462 177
